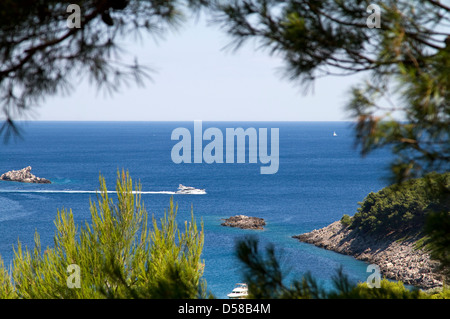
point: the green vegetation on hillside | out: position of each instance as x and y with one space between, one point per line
401 208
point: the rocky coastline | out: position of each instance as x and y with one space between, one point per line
244 222
24 176
398 259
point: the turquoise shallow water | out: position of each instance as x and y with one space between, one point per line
320 178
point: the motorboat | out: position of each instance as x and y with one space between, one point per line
334 134
240 292
189 190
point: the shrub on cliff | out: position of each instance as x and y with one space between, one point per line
346 220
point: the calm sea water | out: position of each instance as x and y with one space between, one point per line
320 178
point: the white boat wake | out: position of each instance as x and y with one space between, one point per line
182 190
76 191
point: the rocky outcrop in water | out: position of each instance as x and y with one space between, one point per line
24 176
398 259
244 222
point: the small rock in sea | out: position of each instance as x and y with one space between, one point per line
244 222
24 176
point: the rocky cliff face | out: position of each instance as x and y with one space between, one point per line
24 175
397 259
244 222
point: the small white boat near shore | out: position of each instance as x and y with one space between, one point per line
240 292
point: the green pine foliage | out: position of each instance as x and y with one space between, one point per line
346 220
401 208
438 235
117 254
404 61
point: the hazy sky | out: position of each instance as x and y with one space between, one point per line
196 79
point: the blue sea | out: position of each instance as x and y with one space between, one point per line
320 178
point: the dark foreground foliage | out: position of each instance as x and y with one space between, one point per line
267 280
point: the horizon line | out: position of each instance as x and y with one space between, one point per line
153 121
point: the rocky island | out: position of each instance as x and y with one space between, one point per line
24 176
244 222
